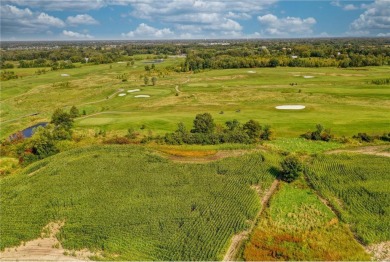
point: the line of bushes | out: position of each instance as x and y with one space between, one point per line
206 132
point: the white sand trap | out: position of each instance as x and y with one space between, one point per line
290 107
133 90
308 76
142 96
251 72
122 94
64 75
121 62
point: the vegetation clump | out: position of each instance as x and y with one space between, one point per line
292 168
320 134
206 132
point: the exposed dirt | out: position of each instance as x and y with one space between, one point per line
239 239
380 252
208 158
382 150
45 248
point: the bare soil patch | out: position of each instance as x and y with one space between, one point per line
45 248
202 156
380 252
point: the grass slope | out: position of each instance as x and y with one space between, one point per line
357 186
298 226
134 205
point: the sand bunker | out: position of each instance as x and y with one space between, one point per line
251 72
121 62
308 76
290 107
122 94
133 90
64 75
142 96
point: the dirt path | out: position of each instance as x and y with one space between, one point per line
382 150
208 158
45 248
380 252
239 239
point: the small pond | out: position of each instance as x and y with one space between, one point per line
28 132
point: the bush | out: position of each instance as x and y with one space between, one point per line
292 168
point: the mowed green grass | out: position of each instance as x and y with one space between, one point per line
341 99
298 226
132 204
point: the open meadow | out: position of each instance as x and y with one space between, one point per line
343 100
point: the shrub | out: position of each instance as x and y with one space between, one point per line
292 168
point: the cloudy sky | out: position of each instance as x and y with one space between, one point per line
191 19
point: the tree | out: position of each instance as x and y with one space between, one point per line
146 80
292 168
203 123
273 62
62 119
253 129
42 142
267 133
233 125
154 80
74 112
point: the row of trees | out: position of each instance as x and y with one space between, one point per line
199 60
205 131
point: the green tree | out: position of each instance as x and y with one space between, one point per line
203 123
273 62
292 168
74 112
154 80
267 133
62 119
146 80
253 129
42 142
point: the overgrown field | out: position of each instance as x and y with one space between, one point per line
133 204
344 100
357 186
298 226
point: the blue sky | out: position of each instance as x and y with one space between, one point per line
191 19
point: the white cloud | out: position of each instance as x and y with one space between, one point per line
75 5
143 31
373 21
289 26
75 35
350 7
242 16
225 25
383 34
17 20
81 20
44 18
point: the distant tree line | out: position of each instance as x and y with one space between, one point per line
206 132
206 55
